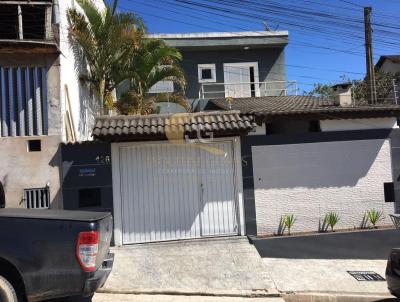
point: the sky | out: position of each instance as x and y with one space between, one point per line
326 37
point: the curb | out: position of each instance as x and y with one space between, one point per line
334 297
212 293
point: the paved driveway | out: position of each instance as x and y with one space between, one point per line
206 266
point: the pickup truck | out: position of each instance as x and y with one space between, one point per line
49 254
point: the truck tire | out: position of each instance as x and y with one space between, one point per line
7 291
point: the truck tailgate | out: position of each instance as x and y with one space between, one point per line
105 227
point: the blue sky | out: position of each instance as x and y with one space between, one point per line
321 49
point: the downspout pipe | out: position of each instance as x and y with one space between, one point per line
56 12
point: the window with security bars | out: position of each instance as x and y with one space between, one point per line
25 20
23 101
38 198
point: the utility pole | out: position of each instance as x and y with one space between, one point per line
372 96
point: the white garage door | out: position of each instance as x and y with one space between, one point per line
173 192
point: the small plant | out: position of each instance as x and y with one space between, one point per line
374 217
281 227
364 222
331 219
288 221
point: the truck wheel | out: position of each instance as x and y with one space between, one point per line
7 291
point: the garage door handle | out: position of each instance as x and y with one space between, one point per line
201 193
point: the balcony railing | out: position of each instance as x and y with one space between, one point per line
247 89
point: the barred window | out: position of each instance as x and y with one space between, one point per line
23 101
38 198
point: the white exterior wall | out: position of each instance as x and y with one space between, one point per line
358 124
259 130
83 105
309 180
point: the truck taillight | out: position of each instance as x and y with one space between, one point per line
86 250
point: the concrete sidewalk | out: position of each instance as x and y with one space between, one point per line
225 267
165 298
326 280
232 268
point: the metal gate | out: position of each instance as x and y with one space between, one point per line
171 192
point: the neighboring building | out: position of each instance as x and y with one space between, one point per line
235 64
389 64
42 101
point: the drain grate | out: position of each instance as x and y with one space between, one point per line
366 276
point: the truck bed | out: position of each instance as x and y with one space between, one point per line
41 248
53 214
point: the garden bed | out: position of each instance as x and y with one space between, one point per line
382 227
346 244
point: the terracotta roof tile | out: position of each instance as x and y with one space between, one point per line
299 105
221 123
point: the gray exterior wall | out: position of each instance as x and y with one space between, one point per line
271 64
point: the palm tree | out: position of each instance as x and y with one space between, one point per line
116 51
154 61
107 39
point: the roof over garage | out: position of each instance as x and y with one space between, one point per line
172 126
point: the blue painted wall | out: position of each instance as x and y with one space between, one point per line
271 64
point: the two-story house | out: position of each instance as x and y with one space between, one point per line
192 186
42 101
229 64
251 152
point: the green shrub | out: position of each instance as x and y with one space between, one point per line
288 221
331 219
374 217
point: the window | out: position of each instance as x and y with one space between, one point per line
23 101
314 126
38 198
9 22
89 197
162 87
34 145
206 73
20 21
33 22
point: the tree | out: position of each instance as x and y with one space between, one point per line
322 90
107 39
117 52
153 62
384 87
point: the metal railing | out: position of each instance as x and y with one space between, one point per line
247 89
396 91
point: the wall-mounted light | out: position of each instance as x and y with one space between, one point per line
246 47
